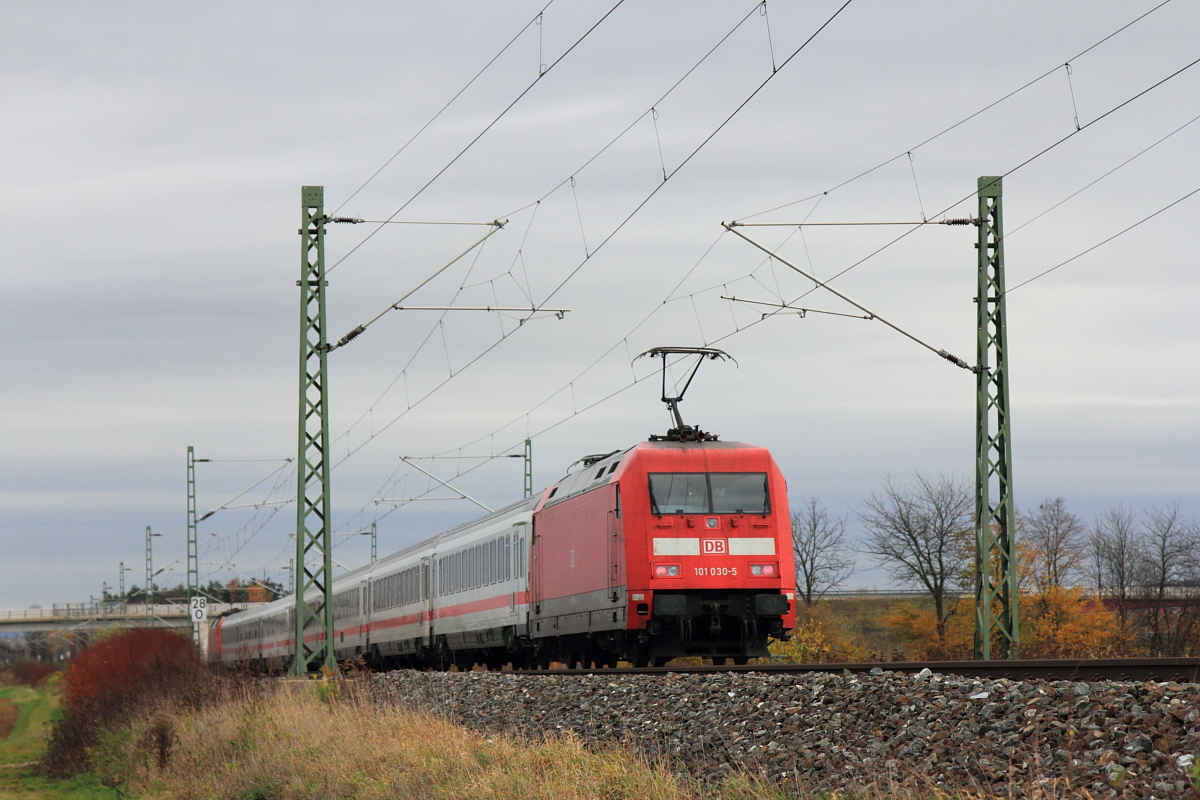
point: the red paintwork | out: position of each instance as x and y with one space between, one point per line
214 637
582 524
572 549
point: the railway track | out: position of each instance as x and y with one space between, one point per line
1181 670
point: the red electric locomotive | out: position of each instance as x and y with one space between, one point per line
671 548
679 546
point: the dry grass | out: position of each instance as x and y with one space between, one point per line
302 741
292 744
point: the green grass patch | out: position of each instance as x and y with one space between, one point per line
25 783
36 710
20 775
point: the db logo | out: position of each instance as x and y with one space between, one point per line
713 547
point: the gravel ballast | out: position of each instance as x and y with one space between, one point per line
823 731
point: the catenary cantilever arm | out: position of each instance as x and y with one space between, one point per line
358 329
953 359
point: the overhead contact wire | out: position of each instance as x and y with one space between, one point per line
630 216
1106 241
697 149
537 18
480 135
969 117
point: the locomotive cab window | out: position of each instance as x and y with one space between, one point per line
740 493
675 493
709 493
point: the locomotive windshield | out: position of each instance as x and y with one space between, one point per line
709 493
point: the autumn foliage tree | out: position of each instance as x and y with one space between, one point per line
1057 620
115 678
922 536
1065 623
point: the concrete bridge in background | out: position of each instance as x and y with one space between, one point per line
97 616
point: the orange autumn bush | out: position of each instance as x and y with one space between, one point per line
918 628
816 640
1057 623
1064 623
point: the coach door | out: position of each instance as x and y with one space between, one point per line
615 546
535 570
427 600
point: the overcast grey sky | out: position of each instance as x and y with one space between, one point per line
152 157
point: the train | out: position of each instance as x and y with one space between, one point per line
675 547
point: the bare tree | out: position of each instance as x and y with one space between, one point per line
1115 553
1056 538
1166 575
922 535
822 555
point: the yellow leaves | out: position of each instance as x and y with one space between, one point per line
1057 623
918 628
1063 623
816 640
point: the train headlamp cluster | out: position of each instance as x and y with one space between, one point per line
765 570
666 571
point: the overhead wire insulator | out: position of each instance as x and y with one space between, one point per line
961 221
349 337
955 360
347 220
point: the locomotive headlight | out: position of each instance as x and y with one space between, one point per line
666 571
765 570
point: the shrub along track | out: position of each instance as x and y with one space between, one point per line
835 726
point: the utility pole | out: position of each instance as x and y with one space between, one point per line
529 468
193 550
122 583
149 576
374 550
291 581
995 544
314 545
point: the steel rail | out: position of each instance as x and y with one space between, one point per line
1183 670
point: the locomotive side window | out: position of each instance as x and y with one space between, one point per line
709 493
674 493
